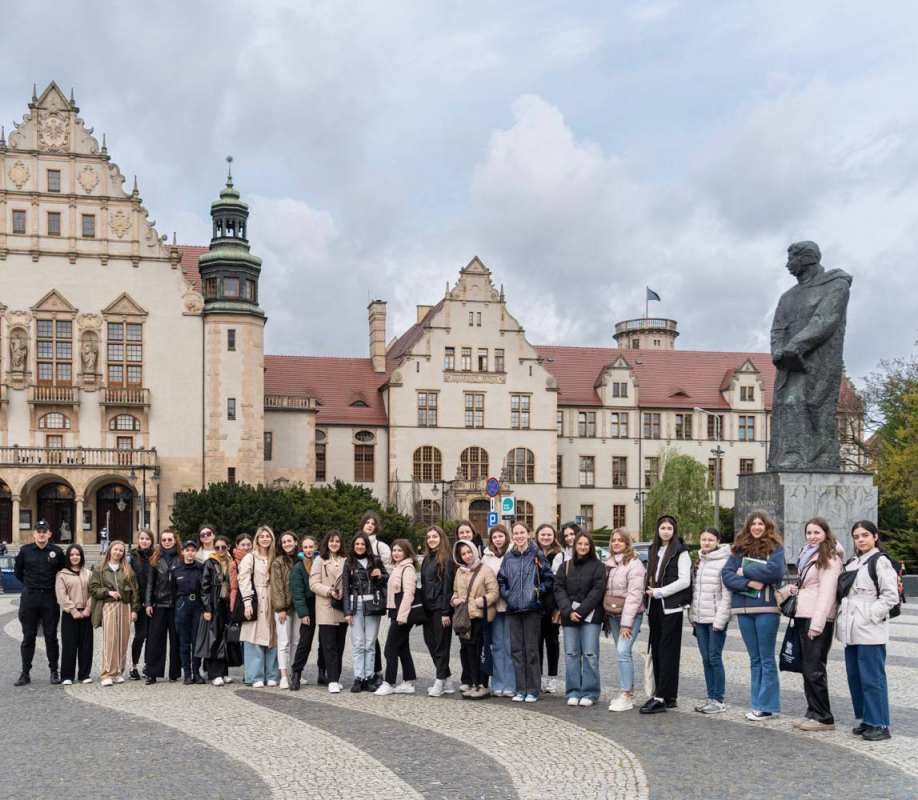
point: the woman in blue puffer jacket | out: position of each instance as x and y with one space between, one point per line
525 577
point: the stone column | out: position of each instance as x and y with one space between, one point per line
17 535
78 522
154 516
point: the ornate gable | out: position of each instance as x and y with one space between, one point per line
53 302
124 306
474 283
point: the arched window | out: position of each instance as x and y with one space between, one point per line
364 436
428 464
54 421
427 511
521 465
524 513
124 422
473 463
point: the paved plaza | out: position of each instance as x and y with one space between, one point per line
178 741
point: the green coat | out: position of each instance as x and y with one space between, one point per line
299 588
104 581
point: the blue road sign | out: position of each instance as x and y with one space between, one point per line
492 487
492 519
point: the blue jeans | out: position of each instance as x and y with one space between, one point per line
866 665
581 660
625 660
260 663
187 614
363 642
503 678
759 634
711 644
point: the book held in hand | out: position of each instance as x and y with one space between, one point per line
748 562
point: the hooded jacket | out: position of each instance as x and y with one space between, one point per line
524 579
580 582
403 581
72 590
711 600
484 587
494 561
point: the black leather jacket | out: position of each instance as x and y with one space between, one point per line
211 586
140 563
159 591
436 594
358 582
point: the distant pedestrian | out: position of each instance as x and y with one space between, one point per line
550 624
304 601
400 594
103 540
187 577
438 573
326 580
475 587
285 618
503 676
115 603
72 590
364 587
623 603
139 560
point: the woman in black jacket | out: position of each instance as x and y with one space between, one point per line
159 602
437 575
579 588
140 564
547 540
364 594
215 591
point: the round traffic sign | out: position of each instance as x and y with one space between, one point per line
492 487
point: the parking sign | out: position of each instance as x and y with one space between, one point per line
492 519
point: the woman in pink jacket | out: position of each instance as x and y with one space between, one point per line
403 582
818 568
624 606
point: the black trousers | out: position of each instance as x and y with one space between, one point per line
815 676
76 648
438 640
140 636
38 606
377 661
187 616
163 627
470 653
398 648
665 650
331 647
216 667
548 641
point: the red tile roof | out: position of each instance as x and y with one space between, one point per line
410 337
190 255
336 383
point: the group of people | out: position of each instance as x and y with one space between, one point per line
258 601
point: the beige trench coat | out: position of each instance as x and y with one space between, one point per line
260 630
323 577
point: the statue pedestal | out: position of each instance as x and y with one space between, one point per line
793 498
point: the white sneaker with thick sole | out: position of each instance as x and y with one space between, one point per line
334 688
66 683
119 679
258 685
384 689
218 681
621 703
759 716
585 701
272 684
449 687
531 698
404 688
713 707
573 701
227 679
87 680
551 686
284 684
107 682
436 690
464 687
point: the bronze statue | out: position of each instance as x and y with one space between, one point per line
807 339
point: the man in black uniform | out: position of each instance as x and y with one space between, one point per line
37 566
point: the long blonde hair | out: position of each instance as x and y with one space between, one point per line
629 554
106 560
257 547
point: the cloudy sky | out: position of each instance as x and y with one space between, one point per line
582 150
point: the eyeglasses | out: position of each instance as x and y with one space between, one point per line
220 547
207 533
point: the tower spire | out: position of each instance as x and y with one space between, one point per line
229 171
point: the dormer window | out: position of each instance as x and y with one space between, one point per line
231 287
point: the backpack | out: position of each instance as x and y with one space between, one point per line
845 583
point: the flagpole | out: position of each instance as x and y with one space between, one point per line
646 302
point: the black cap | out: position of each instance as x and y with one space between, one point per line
189 543
42 525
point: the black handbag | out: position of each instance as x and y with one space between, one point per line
375 606
415 614
789 606
233 632
845 582
238 612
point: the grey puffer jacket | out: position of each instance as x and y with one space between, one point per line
710 598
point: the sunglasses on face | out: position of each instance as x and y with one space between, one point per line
207 533
220 547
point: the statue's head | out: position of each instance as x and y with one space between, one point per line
801 255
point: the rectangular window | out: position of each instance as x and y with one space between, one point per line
683 426
449 358
619 389
560 469
558 516
482 359
586 512
498 359
746 466
269 445
210 287
54 223
19 222
124 442
618 425
651 471
712 469
89 226
619 472
231 287
125 360
747 393
716 427
586 424
363 463
54 351
478 319
587 471
474 410
618 517
427 409
250 293
466 359
651 426
471 318
746 428
231 339
54 440
320 463
560 422
54 180
231 408
519 411
231 475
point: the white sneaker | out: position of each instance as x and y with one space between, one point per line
218 681
585 701
404 688
544 682
273 683
449 687
228 680
66 683
107 682
573 701
464 687
551 686
621 703
714 707
334 688
436 690
384 689
258 685
87 680
531 698
119 679
284 684
759 716
509 693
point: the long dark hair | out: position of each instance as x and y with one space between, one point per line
508 542
827 548
746 544
367 553
158 550
442 553
324 552
371 515
658 545
67 553
591 554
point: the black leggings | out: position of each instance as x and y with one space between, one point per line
331 646
141 627
548 640
665 650
398 648
304 646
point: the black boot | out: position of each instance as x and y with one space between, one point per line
199 679
323 681
368 685
23 679
134 675
55 677
295 678
150 680
357 687
189 679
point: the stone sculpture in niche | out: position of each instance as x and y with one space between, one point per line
19 352
89 354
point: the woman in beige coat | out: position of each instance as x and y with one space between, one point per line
259 635
325 580
71 586
475 584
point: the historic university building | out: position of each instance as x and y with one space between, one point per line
102 424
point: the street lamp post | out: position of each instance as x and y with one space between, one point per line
154 478
639 499
435 490
717 452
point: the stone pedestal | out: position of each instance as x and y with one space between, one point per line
793 498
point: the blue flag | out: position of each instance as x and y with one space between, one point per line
652 295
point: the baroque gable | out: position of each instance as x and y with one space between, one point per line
53 302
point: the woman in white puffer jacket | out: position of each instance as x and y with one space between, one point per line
709 615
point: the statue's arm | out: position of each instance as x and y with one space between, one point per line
828 316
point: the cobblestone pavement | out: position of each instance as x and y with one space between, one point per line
177 741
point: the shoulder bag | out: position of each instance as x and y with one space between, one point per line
612 604
462 620
789 603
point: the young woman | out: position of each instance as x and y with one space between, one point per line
259 634
625 593
569 531
115 603
71 587
503 678
326 579
709 615
465 532
244 543
550 625
669 591
863 628
215 592
285 618
364 584
159 605
399 598
206 539
186 588
437 575
372 527
819 566
754 570
304 601
525 577
475 585
139 560
579 587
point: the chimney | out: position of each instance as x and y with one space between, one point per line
377 309
422 312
